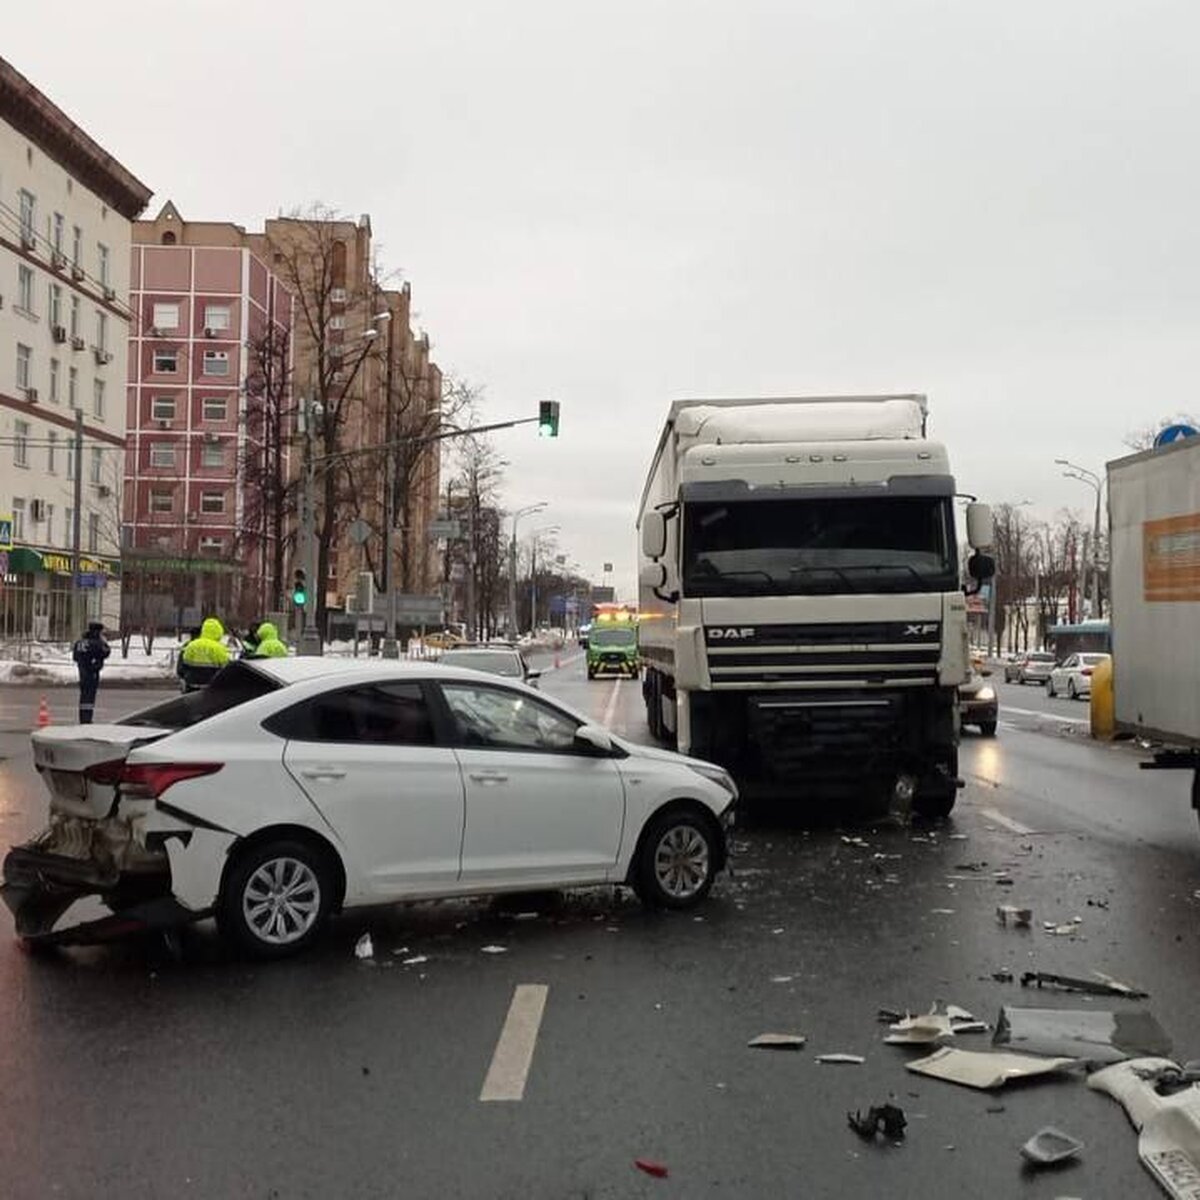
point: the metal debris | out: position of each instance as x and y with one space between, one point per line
1094 1035
887 1119
1102 985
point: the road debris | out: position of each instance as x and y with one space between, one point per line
971 866
1094 1035
493 949
778 1041
887 1119
983 1069
415 961
1003 976
940 1022
1050 1146
364 947
1102 985
782 978
1063 928
1010 914
943 912
849 1059
1168 1126
855 841
649 1167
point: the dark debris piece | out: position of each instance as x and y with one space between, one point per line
887 1119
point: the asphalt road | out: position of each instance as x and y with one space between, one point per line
130 1073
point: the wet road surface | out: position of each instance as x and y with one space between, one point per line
130 1073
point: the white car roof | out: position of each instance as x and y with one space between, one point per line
301 670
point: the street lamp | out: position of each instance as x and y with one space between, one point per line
1096 483
533 571
516 516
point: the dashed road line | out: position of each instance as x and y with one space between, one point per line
1008 823
610 709
1037 712
513 1056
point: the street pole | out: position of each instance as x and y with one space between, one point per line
389 649
512 581
1096 611
472 500
76 524
309 641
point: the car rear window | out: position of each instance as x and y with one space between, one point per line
233 685
1042 658
496 662
1090 660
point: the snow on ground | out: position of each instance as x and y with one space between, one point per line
51 663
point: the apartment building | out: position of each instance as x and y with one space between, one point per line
66 207
210 423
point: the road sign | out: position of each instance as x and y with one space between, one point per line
359 531
445 529
6 532
1174 433
413 609
608 568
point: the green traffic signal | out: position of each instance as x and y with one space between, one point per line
548 418
299 588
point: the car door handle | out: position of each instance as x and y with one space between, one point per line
324 773
489 776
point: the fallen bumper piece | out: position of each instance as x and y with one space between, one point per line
986 1070
1168 1126
1095 1036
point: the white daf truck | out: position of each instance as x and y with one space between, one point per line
802 616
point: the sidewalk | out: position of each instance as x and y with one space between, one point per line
49 664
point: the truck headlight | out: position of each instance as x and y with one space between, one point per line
717 775
986 693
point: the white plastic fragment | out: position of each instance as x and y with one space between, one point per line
1050 1146
494 949
364 947
849 1059
979 1069
778 1041
415 961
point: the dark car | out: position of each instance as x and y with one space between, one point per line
977 705
495 660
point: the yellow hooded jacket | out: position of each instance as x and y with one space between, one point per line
207 650
269 644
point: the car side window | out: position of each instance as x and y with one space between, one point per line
382 714
499 719
1073 661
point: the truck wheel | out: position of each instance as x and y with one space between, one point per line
935 802
677 860
591 673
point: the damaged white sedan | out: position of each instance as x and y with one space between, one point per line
289 789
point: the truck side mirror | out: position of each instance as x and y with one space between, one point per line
654 534
981 528
653 575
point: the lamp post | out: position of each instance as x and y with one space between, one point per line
533 572
1096 483
516 516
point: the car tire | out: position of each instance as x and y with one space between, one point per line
987 728
936 802
677 859
1049 687
253 911
590 673
1072 690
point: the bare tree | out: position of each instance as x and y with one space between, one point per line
1143 438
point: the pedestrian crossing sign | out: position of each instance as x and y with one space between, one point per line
6 531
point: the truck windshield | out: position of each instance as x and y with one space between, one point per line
819 546
620 636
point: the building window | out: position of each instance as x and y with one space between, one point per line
74 316
96 463
103 252
21 443
24 367
166 362
337 321
18 516
212 502
101 330
212 545
162 454
162 408
166 316
93 535
216 316
168 237
55 306
98 398
54 367
212 455
162 500
77 246
72 387
25 289
214 408
70 452
56 232
49 523
28 213
216 362
69 525
52 452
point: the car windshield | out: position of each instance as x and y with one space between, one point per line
619 636
819 546
1090 660
235 684
494 662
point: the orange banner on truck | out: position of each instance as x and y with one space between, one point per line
1171 558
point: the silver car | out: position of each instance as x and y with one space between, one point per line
1034 667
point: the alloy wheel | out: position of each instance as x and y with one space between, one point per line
281 900
681 862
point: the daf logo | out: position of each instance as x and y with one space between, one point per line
919 630
732 634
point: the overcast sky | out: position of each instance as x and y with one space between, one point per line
615 205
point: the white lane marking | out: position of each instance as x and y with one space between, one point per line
514 1051
1036 712
1008 823
610 709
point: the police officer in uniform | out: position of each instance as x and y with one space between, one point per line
89 653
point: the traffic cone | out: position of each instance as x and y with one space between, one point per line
43 715
557 660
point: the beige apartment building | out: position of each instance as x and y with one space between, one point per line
66 207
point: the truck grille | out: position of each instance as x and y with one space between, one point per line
847 655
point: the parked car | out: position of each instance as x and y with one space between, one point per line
1032 667
442 640
1074 676
291 788
508 662
978 706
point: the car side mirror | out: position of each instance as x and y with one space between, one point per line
532 675
654 534
593 739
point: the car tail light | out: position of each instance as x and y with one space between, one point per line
1087 670
150 780
108 773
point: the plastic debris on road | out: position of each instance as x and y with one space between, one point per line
364 947
887 1119
415 961
1168 1126
1063 928
848 1059
1102 985
983 1069
1010 914
941 1022
778 1041
1050 1146
493 950
649 1167
1091 1034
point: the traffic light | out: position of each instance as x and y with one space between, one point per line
299 587
548 418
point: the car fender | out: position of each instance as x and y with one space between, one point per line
643 801
197 865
